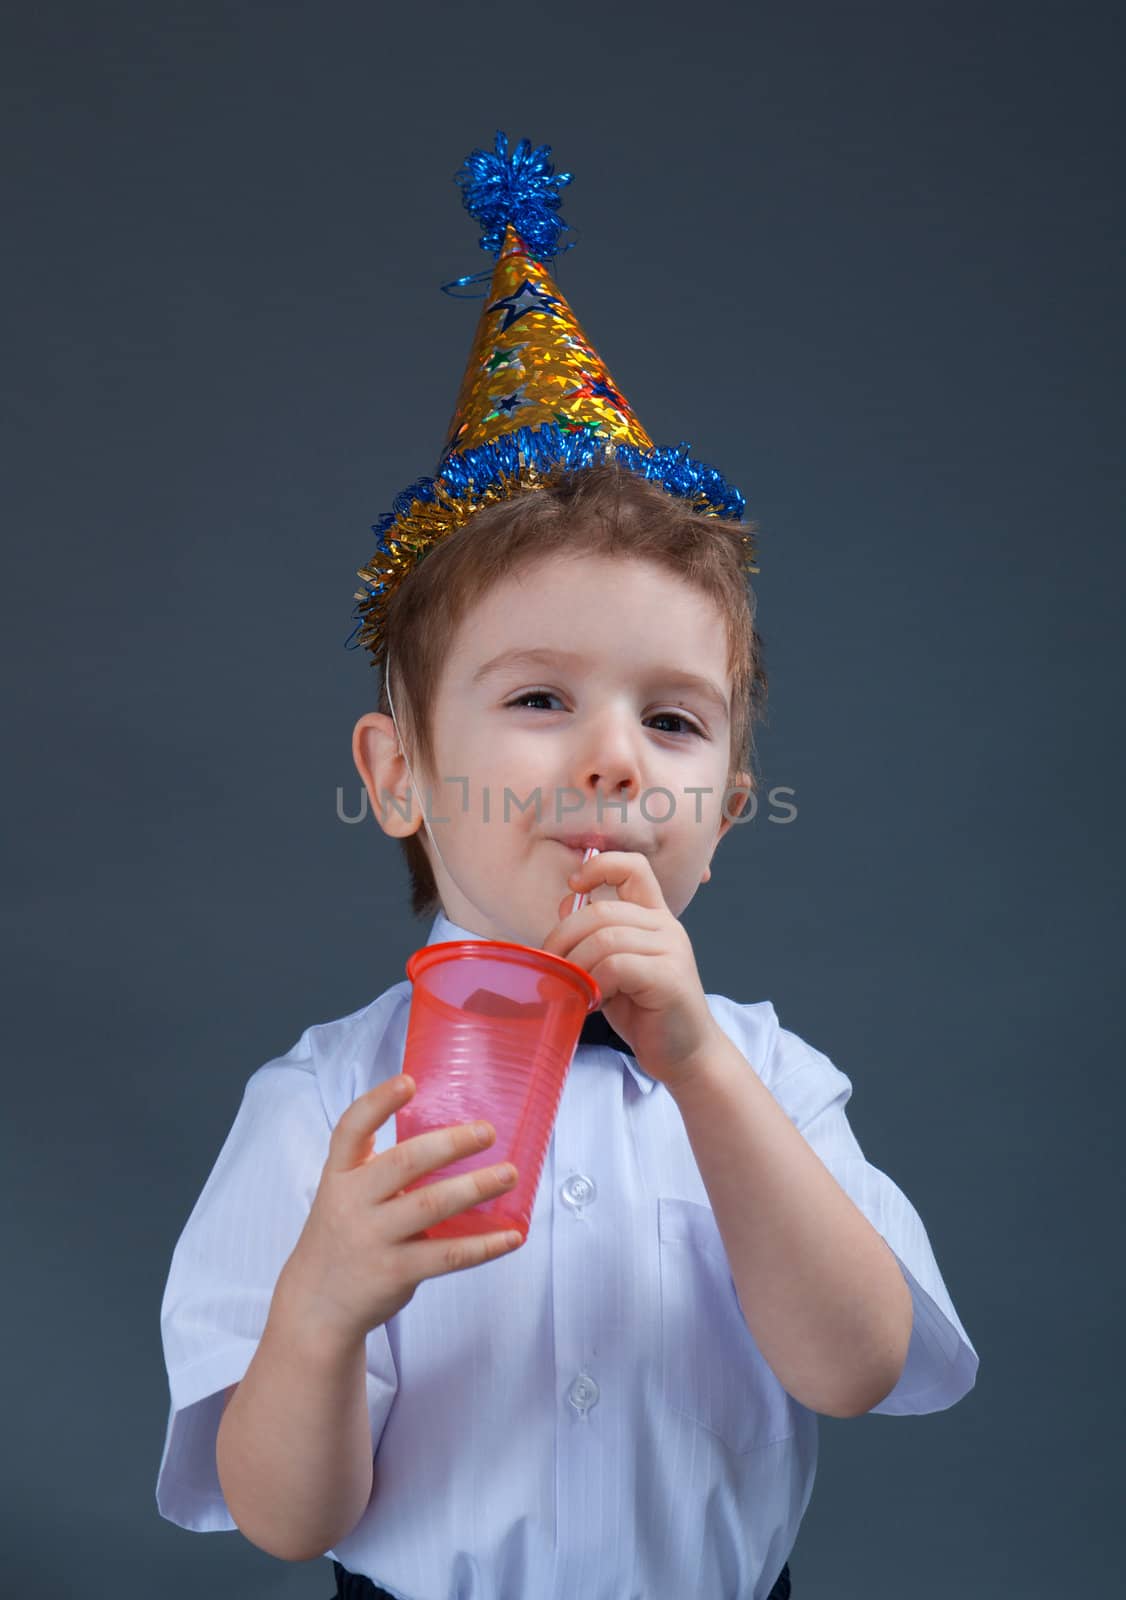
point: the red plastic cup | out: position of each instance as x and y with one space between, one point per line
492 1032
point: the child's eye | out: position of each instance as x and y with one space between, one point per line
675 716
531 694
660 716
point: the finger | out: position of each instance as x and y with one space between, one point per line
628 871
571 930
600 912
351 1143
430 1258
409 1215
602 943
400 1166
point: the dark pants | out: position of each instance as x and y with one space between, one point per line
350 1586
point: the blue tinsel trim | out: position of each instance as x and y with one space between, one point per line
548 448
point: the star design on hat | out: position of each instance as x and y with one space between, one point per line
606 391
600 389
573 342
505 358
523 303
505 404
567 424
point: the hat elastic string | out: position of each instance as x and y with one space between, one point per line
414 786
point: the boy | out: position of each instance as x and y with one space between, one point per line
626 1404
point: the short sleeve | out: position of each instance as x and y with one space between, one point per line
224 1269
941 1365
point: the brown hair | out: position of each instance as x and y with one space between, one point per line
597 510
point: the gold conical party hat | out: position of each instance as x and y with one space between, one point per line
532 364
536 399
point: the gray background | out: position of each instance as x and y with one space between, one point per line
863 259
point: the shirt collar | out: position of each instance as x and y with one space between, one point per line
442 930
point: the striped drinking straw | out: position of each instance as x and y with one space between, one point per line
581 899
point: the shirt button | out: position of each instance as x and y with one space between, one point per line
579 1191
583 1394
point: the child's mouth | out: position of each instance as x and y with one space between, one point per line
596 841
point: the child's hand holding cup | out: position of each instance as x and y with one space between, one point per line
368 1208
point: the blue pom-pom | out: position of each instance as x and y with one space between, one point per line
518 190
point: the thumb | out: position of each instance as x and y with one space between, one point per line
351 1143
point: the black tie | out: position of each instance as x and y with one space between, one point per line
596 1030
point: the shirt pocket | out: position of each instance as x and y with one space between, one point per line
712 1371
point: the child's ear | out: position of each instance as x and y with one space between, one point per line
736 802
383 769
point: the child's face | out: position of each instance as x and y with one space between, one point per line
611 717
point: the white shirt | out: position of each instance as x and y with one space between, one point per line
588 1416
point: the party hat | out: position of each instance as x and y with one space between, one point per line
536 399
